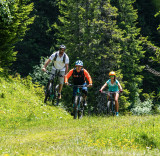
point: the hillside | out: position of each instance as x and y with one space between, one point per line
28 127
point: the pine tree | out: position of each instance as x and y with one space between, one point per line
89 30
14 21
39 40
132 50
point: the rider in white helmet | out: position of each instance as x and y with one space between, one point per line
60 63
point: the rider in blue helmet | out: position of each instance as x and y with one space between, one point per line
79 75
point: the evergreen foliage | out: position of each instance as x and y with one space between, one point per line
132 50
92 36
39 40
14 21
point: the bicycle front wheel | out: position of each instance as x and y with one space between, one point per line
47 92
80 108
113 108
108 107
75 109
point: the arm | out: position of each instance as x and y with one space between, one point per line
68 76
104 86
45 65
66 71
120 87
87 75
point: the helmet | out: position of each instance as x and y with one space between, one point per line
62 47
112 73
79 63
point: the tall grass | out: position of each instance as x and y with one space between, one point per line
28 127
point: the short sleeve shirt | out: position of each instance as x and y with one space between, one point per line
59 64
112 87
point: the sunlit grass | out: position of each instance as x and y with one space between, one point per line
28 127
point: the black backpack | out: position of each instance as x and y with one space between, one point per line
64 57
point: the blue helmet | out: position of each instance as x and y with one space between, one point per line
62 47
79 63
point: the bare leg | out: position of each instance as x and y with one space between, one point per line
116 101
60 89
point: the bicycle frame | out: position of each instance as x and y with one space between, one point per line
78 108
110 102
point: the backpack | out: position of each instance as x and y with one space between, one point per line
64 57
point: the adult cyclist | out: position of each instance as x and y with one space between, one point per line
114 86
60 63
79 75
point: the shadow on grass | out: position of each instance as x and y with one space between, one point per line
146 141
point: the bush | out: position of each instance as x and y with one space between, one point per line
38 75
142 108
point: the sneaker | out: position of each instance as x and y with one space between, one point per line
85 103
117 114
59 95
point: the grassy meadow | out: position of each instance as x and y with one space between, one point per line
30 128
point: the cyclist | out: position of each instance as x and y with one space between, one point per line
114 86
78 75
60 63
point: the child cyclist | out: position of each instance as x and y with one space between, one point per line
78 76
114 86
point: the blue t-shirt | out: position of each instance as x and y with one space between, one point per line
112 87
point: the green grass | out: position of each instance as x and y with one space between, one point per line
28 127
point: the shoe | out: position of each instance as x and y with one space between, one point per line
85 103
117 114
59 95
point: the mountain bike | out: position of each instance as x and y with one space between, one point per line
78 103
51 92
110 102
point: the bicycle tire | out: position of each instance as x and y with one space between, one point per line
56 94
113 107
80 108
47 92
75 109
108 107
55 100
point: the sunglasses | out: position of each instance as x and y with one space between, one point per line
111 76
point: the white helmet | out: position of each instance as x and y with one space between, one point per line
62 47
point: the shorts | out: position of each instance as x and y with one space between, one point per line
60 75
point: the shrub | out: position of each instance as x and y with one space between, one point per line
142 108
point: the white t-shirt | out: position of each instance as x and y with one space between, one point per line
59 64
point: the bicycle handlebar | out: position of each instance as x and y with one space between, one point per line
78 86
108 92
